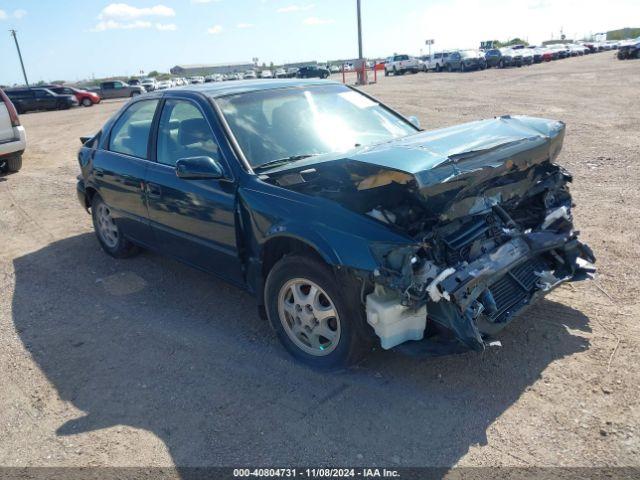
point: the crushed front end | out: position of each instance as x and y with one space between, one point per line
502 236
487 215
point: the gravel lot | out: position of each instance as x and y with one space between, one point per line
148 362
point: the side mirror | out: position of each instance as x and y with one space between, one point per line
198 168
414 121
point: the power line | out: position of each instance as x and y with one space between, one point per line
24 72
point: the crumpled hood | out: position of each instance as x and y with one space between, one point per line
457 170
437 155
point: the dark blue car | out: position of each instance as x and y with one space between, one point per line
350 225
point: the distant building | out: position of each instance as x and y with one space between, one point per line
209 69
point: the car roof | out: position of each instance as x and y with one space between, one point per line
215 90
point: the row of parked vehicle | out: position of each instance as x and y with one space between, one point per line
629 49
513 56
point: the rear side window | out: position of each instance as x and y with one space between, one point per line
184 132
130 134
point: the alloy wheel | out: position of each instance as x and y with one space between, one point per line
106 225
309 317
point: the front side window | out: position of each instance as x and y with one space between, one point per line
278 124
184 132
130 134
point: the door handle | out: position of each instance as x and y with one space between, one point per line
154 190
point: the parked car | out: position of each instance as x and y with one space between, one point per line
249 75
164 84
292 72
196 80
509 58
465 60
334 69
527 56
13 139
84 97
439 60
149 84
37 98
559 50
345 240
134 82
266 74
492 57
117 89
401 64
545 54
313 72
629 49
281 73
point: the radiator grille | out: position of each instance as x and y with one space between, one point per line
510 291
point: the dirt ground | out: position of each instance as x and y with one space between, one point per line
148 362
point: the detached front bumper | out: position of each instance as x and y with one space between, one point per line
487 294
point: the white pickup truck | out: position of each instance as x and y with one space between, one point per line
401 64
13 140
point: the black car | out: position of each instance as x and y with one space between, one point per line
492 57
350 225
510 58
31 99
313 72
465 60
629 49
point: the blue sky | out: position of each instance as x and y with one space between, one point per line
74 39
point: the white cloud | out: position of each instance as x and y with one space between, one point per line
113 25
204 1
3 15
20 13
123 12
120 16
167 27
216 29
295 8
245 25
318 21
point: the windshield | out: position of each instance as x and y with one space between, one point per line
292 122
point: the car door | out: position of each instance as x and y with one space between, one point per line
106 90
193 220
45 100
119 168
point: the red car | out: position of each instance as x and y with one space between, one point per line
84 97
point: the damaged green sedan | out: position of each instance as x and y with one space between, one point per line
351 225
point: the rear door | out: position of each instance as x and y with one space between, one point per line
119 169
193 220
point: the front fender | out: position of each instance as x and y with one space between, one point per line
341 236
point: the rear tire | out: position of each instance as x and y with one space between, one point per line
14 164
289 286
111 239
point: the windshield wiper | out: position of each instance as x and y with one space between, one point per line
282 161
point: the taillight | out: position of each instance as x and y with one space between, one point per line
13 113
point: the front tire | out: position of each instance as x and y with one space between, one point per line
86 102
319 320
111 239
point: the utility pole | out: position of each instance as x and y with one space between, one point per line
359 32
15 39
362 68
